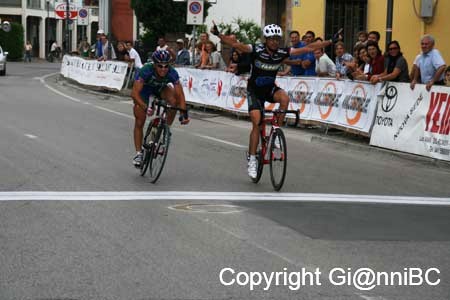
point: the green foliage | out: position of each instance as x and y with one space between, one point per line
13 42
162 16
246 31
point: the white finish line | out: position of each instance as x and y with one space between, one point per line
220 196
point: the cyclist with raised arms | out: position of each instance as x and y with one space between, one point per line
161 80
266 59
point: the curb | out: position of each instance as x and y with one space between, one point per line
368 148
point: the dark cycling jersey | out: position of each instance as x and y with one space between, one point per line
153 85
265 66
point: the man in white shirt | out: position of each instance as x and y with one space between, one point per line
325 67
430 65
134 55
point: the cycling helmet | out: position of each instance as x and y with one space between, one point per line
161 56
272 30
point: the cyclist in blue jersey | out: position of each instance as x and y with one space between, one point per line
266 59
161 80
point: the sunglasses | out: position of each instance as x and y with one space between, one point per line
162 66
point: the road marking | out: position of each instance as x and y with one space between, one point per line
42 79
30 136
218 140
222 196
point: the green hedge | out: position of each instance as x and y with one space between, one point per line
13 42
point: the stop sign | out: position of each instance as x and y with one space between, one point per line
61 11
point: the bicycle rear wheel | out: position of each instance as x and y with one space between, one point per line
260 160
158 153
278 159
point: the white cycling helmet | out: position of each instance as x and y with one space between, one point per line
272 30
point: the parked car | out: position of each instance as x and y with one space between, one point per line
2 62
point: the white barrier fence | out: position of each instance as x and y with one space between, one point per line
110 74
343 103
414 121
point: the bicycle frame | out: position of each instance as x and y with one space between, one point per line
267 139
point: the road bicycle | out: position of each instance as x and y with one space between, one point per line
157 140
272 149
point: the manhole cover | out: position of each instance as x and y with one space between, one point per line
208 208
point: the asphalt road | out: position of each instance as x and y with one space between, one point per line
63 143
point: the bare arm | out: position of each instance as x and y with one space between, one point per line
438 73
180 95
235 44
310 48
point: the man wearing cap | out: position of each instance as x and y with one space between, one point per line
183 56
103 43
98 44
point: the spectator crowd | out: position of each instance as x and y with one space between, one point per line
366 62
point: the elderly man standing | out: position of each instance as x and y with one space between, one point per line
183 55
429 64
103 47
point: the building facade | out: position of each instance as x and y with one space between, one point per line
41 26
409 21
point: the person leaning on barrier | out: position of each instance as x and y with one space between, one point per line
430 64
395 66
105 47
341 61
376 58
134 55
122 52
447 76
325 67
183 55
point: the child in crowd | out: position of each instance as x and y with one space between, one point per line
447 76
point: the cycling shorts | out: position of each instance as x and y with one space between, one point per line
257 97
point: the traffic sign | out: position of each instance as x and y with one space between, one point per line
83 15
194 12
61 11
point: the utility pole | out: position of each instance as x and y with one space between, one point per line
47 49
390 12
67 26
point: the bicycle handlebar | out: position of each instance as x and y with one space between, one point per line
163 103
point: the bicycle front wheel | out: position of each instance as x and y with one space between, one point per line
278 159
147 147
260 159
158 153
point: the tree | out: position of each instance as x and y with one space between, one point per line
162 16
13 42
246 31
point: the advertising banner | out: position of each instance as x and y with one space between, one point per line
110 74
302 92
327 102
358 106
414 121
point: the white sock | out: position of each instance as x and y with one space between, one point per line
252 157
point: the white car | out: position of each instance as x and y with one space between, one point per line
2 62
